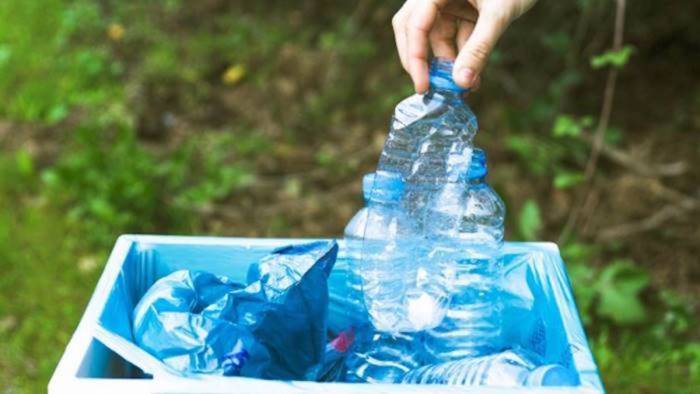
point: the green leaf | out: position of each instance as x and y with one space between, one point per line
619 286
530 221
567 179
57 113
5 54
613 58
586 121
25 162
539 155
576 252
566 126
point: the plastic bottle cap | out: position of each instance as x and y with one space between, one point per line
477 167
551 375
441 75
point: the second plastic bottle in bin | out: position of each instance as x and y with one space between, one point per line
381 254
472 325
354 233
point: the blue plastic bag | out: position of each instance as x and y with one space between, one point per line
274 327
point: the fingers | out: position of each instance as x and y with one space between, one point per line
464 30
476 49
420 23
442 37
398 22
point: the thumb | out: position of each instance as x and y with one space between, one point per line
475 52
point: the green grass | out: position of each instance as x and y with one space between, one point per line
52 57
47 277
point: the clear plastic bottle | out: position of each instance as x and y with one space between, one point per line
383 358
384 264
431 134
511 368
430 146
354 234
472 325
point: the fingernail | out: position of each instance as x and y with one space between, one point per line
466 76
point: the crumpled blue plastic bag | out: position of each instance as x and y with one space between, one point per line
274 327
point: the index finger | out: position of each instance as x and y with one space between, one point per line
420 22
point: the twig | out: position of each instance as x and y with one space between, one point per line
603 121
626 160
679 204
652 222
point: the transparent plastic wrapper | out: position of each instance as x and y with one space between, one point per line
272 328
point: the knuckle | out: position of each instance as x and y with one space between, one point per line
415 26
500 17
415 54
480 51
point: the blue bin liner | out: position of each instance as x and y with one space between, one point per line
197 322
542 317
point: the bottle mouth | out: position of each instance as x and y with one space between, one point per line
441 76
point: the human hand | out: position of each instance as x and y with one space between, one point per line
465 30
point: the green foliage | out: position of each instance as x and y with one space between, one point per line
210 168
618 287
613 58
640 361
34 89
567 126
659 344
611 292
112 185
25 163
538 155
107 183
567 179
530 220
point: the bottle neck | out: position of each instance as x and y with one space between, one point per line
445 94
477 181
441 81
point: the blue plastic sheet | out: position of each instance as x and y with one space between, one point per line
274 327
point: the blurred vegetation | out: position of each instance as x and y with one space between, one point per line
259 118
